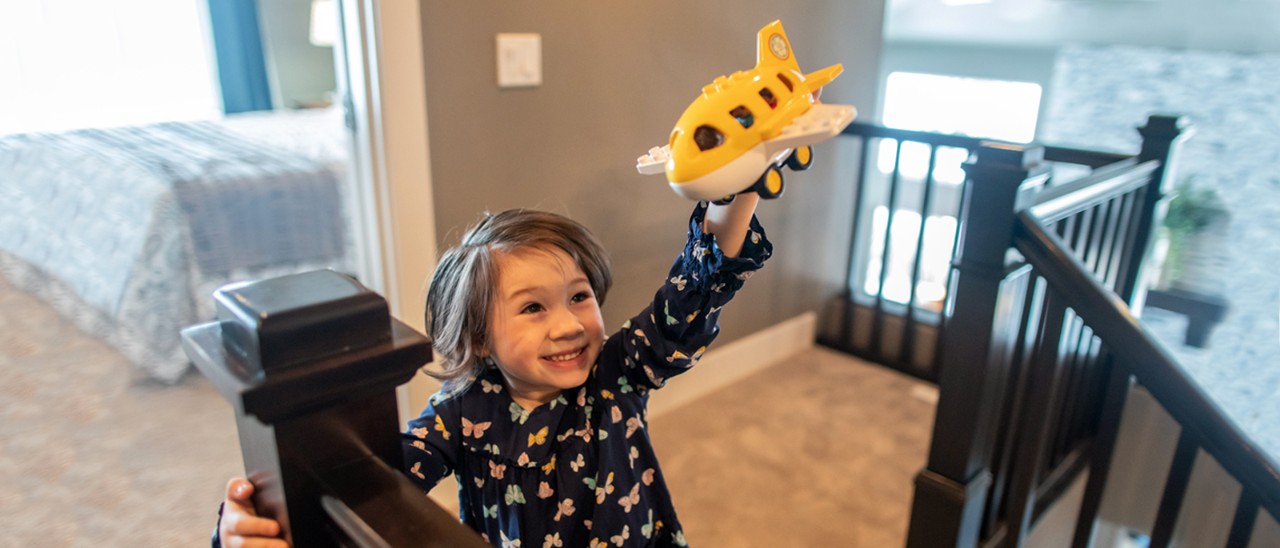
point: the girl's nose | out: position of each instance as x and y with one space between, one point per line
566 325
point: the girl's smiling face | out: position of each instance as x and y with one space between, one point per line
545 327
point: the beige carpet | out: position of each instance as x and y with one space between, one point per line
93 455
818 450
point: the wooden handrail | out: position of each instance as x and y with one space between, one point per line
1069 155
1091 158
1154 368
865 129
1063 200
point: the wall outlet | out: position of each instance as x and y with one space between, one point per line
519 60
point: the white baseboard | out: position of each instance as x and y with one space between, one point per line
729 363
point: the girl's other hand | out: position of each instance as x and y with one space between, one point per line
240 526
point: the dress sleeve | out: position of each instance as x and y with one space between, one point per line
430 443
670 335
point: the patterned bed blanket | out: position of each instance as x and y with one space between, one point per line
128 230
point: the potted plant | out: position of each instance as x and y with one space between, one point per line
1195 230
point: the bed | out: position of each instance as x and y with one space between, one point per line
127 231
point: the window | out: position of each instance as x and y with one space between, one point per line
768 97
707 137
786 82
992 109
743 115
82 63
930 286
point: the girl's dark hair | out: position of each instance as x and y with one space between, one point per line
465 282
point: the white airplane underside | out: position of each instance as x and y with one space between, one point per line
727 180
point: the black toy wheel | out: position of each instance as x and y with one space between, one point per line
770 185
800 159
726 200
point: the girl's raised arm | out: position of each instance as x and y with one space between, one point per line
730 222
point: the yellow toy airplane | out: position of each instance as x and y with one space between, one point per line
736 135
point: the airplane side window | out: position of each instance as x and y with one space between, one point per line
707 137
743 115
786 82
768 97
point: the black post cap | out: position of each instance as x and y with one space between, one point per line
279 322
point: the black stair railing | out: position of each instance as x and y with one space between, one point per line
898 172
868 324
1134 358
1034 370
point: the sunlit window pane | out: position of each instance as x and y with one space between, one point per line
915 161
939 238
990 109
86 63
986 109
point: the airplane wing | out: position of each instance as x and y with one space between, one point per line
821 122
655 161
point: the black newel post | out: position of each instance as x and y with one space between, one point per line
310 363
1162 137
951 492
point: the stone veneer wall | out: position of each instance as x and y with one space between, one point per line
1097 98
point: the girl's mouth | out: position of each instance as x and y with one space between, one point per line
566 356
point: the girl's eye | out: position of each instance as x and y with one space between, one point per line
531 308
581 296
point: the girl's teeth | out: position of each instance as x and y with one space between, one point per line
564 357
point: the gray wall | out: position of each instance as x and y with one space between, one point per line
615 78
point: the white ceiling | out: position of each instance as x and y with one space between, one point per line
1226 25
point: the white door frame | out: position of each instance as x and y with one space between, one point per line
391 163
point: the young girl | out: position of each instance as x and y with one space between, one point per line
542 418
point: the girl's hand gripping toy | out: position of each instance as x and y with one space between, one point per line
738 134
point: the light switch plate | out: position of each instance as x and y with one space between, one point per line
519 60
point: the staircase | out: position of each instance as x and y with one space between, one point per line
1038 353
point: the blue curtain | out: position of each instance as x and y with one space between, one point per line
237 42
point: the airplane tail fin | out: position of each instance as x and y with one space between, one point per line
773 48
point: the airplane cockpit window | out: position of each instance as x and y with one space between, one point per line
743 115
707 137
769 98
786 82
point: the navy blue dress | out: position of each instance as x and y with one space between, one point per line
580 470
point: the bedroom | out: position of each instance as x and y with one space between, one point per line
148 163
